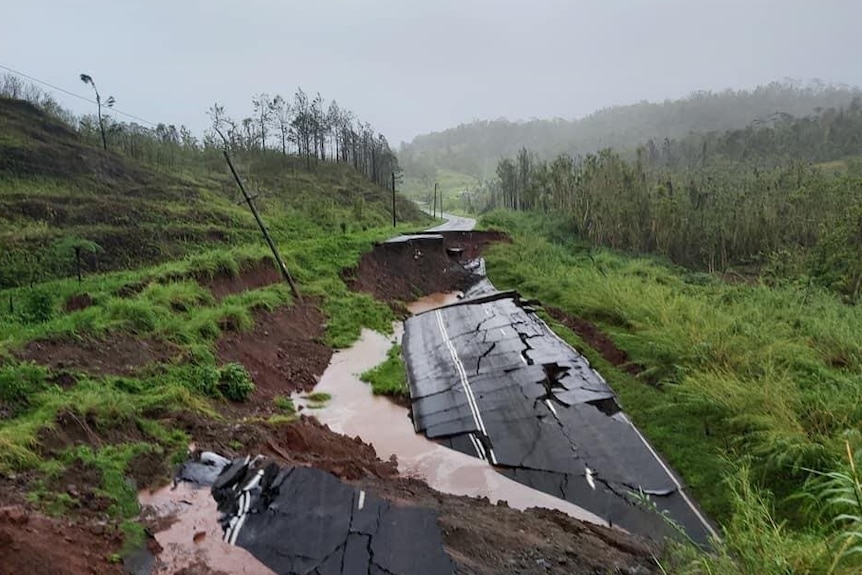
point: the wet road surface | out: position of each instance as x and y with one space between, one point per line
306 521
488 378
454 223
354 411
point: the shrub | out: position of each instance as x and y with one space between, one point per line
284 404
38 306
235 382
19 382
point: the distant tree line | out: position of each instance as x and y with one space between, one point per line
307 127
743 198
475 148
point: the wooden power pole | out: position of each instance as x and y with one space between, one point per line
250 201
393 199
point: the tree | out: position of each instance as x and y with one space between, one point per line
109 103
263 115
302 125
333 120
280 116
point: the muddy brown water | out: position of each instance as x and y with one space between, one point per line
354 410
194 537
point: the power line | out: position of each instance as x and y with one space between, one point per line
74 95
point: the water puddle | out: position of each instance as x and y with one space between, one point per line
354 410
193 536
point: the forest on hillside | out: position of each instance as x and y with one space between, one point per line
750 199
475 148
303 126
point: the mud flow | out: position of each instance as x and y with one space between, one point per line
355 411
191 537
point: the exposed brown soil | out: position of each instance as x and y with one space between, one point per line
307 442
405 271
260 274
199 568
38 545
284 352
80 481
72 429
473 242
599 341
78 302
484 539
122 354
149 469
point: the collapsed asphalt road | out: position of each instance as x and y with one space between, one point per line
306 521
489 378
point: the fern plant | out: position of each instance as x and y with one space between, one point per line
842 493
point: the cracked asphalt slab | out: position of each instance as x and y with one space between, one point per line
489 378
301 520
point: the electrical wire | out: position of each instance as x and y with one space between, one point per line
74 95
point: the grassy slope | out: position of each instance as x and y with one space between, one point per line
53 187
757 384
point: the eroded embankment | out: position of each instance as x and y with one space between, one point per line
402 271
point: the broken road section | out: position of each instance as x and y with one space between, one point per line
489 378
306 521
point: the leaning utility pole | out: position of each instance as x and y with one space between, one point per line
393 199
250 201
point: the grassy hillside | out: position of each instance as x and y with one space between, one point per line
104 381
58 192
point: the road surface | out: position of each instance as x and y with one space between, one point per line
454 223
489 378
304 520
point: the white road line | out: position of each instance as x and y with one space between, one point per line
236 529
361 502
477 446
468 391
670 474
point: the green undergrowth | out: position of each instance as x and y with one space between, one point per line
757 391
390 377
170 306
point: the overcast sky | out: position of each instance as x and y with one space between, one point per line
413 66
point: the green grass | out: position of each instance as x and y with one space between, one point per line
318 397
757 385
285 404
390 377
